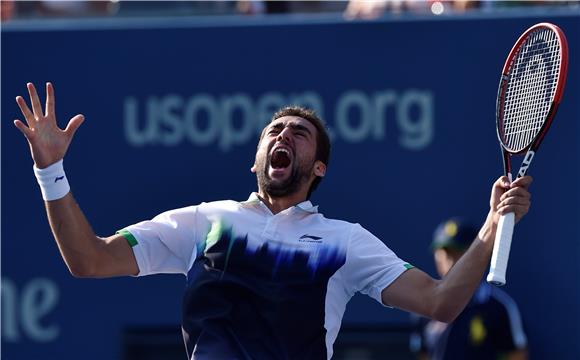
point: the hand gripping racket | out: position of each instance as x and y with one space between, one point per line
530 90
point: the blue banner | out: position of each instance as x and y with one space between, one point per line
173 112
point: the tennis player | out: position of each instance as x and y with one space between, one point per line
269 277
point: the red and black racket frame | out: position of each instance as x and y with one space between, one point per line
531 150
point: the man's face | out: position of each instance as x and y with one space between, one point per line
286 156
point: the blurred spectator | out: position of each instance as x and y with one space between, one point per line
490 327
175 8
7 9
373 9
254 7
58 8
81 9
352 9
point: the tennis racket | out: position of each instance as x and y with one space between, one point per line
530 89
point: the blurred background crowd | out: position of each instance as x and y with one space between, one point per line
352 9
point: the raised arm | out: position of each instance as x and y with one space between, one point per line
443 300
85 254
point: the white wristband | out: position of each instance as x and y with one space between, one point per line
52 180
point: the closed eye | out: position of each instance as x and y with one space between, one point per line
300 130
275 129
297 129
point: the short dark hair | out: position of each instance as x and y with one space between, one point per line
322 138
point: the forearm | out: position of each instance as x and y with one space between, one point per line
84 253
455 290
74 236
443 300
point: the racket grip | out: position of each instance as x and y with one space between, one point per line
501 249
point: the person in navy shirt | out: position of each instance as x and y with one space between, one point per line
491 325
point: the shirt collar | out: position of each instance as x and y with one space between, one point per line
305 205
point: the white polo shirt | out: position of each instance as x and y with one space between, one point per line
263 285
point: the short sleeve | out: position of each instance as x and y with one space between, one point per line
165 244
370 265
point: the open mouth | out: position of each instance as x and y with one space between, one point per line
280 158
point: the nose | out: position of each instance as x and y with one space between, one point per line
285 135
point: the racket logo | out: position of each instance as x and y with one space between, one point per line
536 69
526 163
535 55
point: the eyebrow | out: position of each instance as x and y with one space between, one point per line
298 127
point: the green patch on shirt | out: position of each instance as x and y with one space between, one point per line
128 236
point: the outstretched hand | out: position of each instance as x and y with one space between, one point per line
509 197
48 143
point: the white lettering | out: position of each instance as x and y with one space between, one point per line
135 136
347 104
415 118
309 99
268 104
23 315
9 314
526 163
168 117
202 103
39 297
234 120
384 101
242 134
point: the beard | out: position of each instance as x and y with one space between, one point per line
281 188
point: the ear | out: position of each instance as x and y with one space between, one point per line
319 168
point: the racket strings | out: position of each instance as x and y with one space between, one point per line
525 127
531 85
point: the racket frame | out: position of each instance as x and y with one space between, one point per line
497 272
535 144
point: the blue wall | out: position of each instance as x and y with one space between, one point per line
173 110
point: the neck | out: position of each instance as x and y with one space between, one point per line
277 204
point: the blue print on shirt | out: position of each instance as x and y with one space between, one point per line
265 301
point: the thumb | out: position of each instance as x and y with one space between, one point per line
501 184
504 182
74 124
499 187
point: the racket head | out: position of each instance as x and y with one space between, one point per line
531 87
